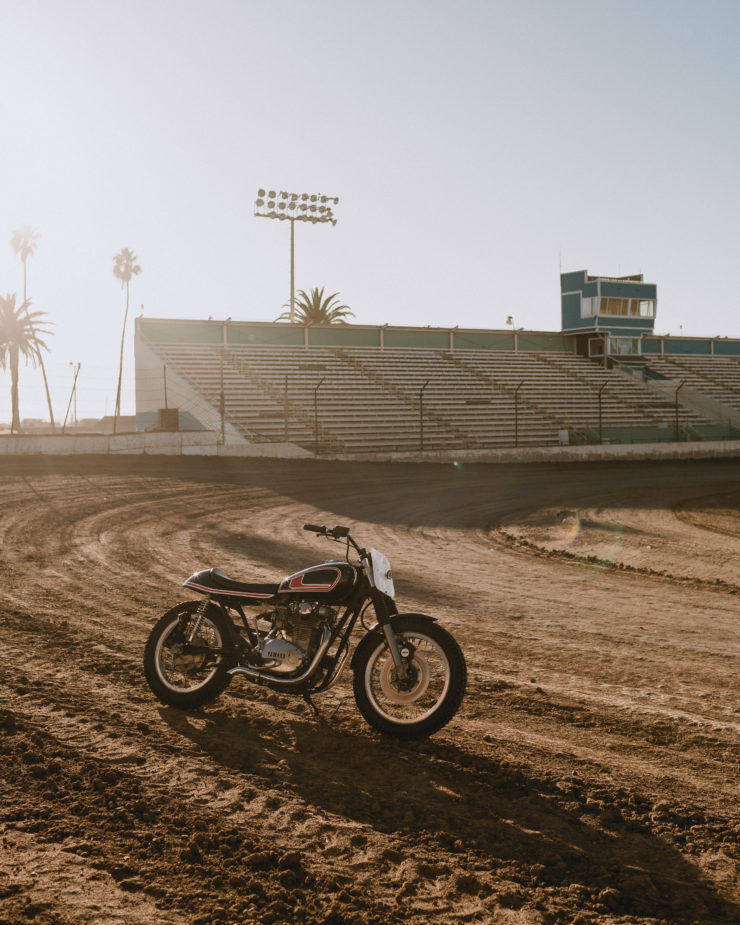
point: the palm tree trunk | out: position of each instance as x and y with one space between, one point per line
38 352
120 366
15 424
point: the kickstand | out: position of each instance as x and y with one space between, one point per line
307 698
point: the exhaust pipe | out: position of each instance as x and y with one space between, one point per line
339 671
264 674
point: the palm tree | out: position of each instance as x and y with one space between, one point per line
315 309
124 267
19 336
24 242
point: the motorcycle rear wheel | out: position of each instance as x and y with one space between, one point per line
431 697
178 676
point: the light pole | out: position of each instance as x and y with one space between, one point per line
316 411
516 413
678 433
601 429
514 330
294 207
421 415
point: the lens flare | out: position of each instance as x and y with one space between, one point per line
571 531
597 544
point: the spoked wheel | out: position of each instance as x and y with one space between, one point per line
186 665
419 705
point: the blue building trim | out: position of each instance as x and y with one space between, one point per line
726 348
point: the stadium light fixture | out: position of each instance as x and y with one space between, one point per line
292 207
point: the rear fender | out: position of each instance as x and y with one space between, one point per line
375 632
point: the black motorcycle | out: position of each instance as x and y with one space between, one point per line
409 673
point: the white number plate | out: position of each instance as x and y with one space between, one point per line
382 574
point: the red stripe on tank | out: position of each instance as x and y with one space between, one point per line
297 584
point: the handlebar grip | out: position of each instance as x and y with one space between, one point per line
313 528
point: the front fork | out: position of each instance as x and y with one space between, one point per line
385 608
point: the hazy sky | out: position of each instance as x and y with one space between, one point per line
475 147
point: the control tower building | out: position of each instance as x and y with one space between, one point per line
609 315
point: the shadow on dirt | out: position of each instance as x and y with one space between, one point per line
286 558
424 494
453 801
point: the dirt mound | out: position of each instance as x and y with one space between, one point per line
591 775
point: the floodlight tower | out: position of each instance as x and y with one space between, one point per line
294 207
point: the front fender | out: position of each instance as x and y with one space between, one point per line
375 631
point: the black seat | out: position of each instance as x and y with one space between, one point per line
221 582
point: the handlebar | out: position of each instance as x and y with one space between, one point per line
337 532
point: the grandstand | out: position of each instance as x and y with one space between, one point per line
359 389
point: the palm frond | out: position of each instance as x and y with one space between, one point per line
21 329
125 265
24 242
314 308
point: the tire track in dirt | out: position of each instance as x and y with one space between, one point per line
589 734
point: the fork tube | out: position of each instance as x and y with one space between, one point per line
381 611
394 650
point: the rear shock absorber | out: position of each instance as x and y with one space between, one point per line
200 613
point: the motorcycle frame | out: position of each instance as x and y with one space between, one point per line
364 593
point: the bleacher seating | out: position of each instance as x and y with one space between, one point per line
355 399
715 376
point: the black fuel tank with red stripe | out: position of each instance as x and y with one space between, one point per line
333 582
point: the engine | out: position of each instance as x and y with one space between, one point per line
294 634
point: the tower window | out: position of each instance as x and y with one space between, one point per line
588 306
639 308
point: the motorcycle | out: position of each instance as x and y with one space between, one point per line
409 674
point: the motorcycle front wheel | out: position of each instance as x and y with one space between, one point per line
186 669
424 702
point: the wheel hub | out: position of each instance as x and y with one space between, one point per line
188 662
405 690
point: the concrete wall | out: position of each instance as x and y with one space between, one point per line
205 443
175 444
568 454
198 443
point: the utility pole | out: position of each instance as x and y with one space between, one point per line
73 394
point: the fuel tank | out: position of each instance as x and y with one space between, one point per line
332 582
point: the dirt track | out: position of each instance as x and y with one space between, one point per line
591 776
